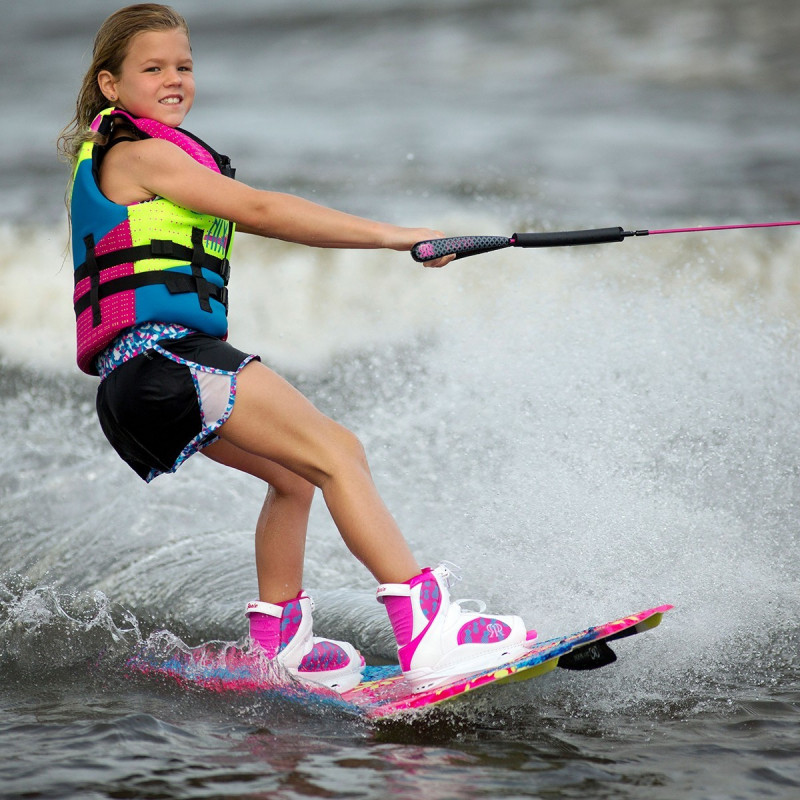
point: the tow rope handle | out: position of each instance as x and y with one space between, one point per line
463 246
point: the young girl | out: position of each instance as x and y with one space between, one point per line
153 210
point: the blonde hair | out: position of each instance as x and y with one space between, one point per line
110 48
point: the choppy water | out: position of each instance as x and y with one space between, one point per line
586 432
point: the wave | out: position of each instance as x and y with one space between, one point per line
300 307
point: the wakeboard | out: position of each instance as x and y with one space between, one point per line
383 692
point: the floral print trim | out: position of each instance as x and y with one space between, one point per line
208 431
135 341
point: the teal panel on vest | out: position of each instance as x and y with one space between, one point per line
91 211
156 304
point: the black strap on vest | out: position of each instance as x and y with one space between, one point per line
93 273
158 248
197 272
175 282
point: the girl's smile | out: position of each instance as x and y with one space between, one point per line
156 79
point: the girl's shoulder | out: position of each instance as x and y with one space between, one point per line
135 171
128 166
134 155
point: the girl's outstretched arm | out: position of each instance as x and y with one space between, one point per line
135 171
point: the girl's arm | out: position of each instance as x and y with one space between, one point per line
135 171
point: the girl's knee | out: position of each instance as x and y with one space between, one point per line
350 451
294 487
342 454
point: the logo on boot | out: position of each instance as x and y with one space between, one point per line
483 630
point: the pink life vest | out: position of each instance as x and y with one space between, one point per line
153 261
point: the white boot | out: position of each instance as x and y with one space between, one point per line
284 631
437 641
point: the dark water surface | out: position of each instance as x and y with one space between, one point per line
88 731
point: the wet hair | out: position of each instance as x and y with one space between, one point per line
111 45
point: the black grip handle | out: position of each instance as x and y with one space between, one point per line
568 238
461 246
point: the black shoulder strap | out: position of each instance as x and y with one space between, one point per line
116 140
109 126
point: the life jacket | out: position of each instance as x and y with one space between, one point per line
148 262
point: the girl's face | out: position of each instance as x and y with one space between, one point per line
156 79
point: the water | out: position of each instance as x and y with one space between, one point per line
586 432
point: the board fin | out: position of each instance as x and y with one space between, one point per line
590 656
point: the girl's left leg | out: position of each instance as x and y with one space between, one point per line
282 524
281 621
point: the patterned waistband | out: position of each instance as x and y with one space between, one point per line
134 342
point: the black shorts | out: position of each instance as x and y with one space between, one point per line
160 407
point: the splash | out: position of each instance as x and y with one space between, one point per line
43 628
594 448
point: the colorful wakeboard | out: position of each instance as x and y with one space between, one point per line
383 691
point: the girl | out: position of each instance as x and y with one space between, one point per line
152 211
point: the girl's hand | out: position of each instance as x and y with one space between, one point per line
408 237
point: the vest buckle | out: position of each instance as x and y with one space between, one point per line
161 248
